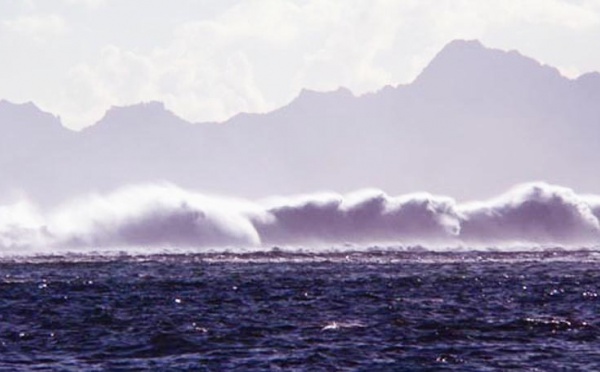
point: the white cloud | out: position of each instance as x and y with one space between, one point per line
39 27
555 12
256 55
195 84
87 3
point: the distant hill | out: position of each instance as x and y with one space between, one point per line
474 122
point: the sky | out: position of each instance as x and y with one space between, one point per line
208 60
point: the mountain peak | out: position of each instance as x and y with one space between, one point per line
469 66
312 98
29 106
150 114
462 45
590 78
142 108
26 115
590 83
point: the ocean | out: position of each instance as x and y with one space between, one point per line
360 310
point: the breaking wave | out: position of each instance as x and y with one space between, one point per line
152 218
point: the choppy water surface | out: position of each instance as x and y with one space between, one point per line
282 311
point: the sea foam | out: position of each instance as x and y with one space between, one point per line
152 218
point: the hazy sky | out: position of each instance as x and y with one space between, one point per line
210 59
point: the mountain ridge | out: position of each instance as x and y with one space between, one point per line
454 131
461 46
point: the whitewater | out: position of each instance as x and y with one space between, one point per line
162 218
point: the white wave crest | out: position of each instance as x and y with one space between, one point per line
165 216
535 213
363 217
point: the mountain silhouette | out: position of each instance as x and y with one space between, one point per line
474 122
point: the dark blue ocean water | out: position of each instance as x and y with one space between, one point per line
375 311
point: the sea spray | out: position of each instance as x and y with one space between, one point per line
157 217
